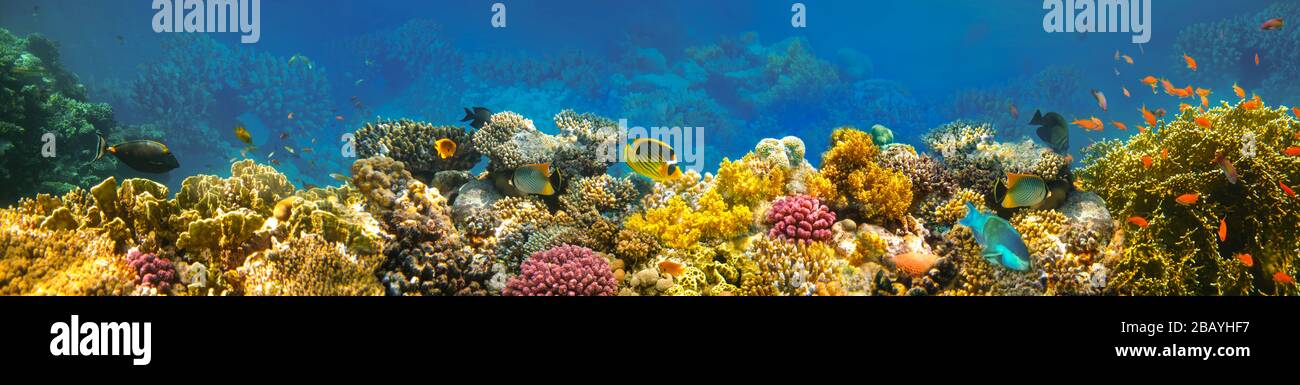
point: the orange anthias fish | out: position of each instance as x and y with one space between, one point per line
290 116
672 268
1187 199
1015 112
1204 93
1169 87
1292 151
1146 161
1225 164
1120 125
1256 58
1092 124
1148 116
1126 94
1246 259
1191 63
1223 229
1164 153
1296 111
1150 81
1272 25
1184 107
1252 104
1127 59
1139 221
1286 189
1241 93
1203 122
1281 277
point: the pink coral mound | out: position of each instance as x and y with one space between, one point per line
800 218
152 271
564 270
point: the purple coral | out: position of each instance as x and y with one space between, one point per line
152 271
800 218
564 270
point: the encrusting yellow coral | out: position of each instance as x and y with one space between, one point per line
679 226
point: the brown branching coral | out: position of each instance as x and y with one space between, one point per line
311 265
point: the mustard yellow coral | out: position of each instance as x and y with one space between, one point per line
858 183
750 181
678 225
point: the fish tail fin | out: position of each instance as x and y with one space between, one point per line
972 213
469 115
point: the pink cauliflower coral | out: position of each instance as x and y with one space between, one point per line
800 218
152 271
564 270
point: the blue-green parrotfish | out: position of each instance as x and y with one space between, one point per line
1003 245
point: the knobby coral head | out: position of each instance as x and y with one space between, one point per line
800 218
151 271
565 270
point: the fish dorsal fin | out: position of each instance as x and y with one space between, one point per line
543 168
1014 179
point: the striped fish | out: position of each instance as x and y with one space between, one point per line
653 159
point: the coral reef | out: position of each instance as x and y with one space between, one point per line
1180 252
151 272
565 271
800 218
412 143
858 185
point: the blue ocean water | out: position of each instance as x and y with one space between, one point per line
735 67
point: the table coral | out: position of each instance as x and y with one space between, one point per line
1180 252
413 143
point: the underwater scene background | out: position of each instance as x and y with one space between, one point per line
414 148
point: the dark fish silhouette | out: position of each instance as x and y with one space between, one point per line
140 155
477 117
1052 130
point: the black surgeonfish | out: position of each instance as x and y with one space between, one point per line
140 155
1052 130
477 117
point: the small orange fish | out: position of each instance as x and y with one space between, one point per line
1286 189
1015 112
1120 125
1241 93
1169 87
1164 153
1092 124
1143 129
1272 24
1252 104
1246 259
1101 99
275 162
1281 277
1160 112
1147 161
290 116
1191 63
1184 107
1296 111
1205 102
1150 81
1203 122
1139 221
1127 59
1148 116
672 268
1256 58
1223 229
1187 199
1292 151
1126 94
1203 92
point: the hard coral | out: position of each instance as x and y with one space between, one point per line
680 226
1180 252
859 185
564 271
413 143
800 218
151 271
